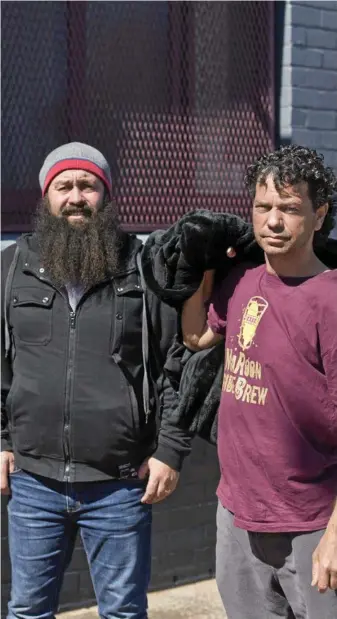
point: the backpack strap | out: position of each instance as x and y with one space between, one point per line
8 290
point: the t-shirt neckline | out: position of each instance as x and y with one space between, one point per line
277 280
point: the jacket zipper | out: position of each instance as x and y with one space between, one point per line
69 382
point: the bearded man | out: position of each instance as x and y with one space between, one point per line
87 441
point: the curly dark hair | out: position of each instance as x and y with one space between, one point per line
294 164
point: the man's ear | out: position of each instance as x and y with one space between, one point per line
320 216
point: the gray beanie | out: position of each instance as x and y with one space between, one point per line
75 156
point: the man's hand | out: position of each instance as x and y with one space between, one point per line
7 467
324 561
162 480
197 335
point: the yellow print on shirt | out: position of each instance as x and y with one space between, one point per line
251 319
242 390
239 368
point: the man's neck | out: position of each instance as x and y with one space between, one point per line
305 265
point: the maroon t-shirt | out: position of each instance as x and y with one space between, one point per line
277 440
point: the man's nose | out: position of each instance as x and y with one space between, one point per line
275 219
75 195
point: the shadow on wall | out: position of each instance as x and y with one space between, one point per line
279 26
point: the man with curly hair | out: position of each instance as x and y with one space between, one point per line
277 438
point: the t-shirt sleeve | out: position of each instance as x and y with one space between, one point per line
217 310
220 299
328 346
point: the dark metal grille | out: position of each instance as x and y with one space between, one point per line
177 95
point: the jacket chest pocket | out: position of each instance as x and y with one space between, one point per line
32 315
126 336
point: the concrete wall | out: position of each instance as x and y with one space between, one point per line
183 535
308 103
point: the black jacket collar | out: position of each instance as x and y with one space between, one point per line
29 246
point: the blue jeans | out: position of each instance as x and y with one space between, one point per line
44 516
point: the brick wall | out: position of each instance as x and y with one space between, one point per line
308 104
184 526
183 535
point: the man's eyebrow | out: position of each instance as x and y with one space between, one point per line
285 202
86 179
63 181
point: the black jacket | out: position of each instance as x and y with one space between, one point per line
72 386
174 260
174 264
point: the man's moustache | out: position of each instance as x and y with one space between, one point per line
86 211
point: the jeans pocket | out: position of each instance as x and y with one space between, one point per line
16 470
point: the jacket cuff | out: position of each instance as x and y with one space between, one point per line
173 458
6 444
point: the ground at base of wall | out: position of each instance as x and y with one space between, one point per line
198 601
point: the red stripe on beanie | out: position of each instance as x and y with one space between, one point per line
75 164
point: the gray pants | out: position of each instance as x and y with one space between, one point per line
268 575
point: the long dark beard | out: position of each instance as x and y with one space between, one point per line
82 254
